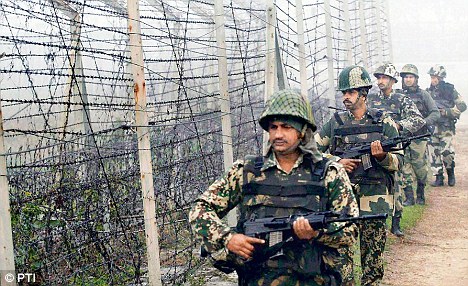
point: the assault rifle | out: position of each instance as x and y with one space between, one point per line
276 228
317 220
388 145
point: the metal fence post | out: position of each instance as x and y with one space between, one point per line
144 147
270 68
225 102
301 48
377 5
363 32
331 73
7 259
349 46
389 30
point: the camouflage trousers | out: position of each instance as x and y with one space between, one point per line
398 195
414 162
373 238
284 277
345 265
441 152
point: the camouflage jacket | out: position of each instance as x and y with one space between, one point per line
401 108
424 102
226 193
450 103
372 198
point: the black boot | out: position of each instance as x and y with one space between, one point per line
439 181
396 226
409 197
420 199
451 175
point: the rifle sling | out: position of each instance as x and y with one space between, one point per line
338 118
269 252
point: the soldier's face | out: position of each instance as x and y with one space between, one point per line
283 137
434 80
409 80
351 99
385 82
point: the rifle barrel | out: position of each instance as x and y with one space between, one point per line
360 218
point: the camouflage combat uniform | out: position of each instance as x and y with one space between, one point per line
441 151
374 187
406 114
261 188
226 193
415 154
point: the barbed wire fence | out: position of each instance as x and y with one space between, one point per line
70 131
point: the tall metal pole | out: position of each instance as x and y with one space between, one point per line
363 32
331 73
77 83
347 21
144 147
389 30
301 48
225 102
7 258
377 17
270 68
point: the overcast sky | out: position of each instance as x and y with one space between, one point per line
427 32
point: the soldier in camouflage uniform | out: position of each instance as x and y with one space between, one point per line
373 184
415 153
292 178
451 105
407 117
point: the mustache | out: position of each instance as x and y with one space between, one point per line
279 141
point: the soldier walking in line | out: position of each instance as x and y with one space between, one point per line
415 154
292 178
374 184
450 104
407 117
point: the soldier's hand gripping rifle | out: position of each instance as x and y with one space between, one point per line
388 145
278 231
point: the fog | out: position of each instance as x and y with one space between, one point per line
428 32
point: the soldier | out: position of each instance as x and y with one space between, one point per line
451 105
292 178
407 117
373 185
415 153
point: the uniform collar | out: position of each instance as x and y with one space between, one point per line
382 96
351 116
271 162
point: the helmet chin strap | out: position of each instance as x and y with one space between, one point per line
303 131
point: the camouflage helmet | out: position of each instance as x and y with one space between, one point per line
287 102
438 70
353 77
387 69
409 69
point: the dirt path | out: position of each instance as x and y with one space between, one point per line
435 252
